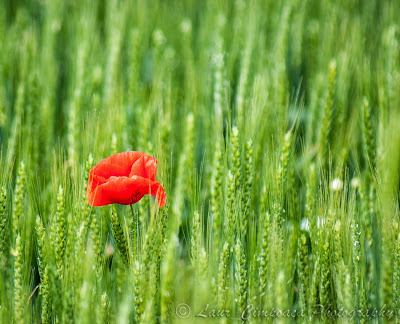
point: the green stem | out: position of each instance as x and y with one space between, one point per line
135 232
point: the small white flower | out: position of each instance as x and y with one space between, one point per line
355 183
320 222
305 225
336 184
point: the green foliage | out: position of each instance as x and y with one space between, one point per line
277 138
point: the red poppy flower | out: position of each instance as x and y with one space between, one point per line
124 178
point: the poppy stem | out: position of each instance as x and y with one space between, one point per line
135 232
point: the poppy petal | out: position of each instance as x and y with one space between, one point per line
145 166
124 178
119 164
126 191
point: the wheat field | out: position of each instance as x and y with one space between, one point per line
276 126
